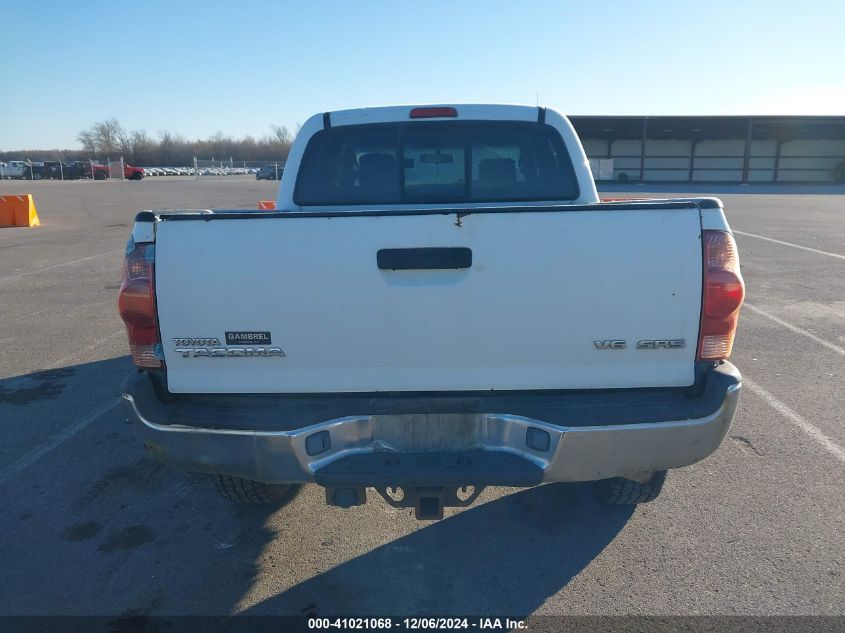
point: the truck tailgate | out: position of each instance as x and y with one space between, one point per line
544 288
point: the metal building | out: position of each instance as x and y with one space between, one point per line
715 148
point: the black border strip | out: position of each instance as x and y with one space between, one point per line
371 620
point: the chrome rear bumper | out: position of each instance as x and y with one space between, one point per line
419 449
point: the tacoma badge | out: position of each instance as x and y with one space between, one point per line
230 352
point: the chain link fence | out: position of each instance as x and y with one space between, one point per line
64 170
113 169
116 169
235 170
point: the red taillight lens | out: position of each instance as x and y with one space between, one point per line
432 113
724 292
136 304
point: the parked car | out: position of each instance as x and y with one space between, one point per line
441 303
102 172
74 170
12 169
36 170
78 169
98 172
130 172
270 172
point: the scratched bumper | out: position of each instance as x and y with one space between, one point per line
461 448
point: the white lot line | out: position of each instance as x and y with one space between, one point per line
29 458
803 248
810 429
796 329
81 352
73 261
31 314
32 456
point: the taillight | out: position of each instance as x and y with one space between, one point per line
433 113
724 291
136 304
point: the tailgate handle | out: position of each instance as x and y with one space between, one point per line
424 258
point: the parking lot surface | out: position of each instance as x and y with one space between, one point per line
92 525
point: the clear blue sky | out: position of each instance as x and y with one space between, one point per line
196 68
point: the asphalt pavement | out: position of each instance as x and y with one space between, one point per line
92 525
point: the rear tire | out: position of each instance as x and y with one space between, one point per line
99 175
252 492
621 491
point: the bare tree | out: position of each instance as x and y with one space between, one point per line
142 147
109 139
86 139
281 135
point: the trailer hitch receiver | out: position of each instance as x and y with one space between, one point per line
428 502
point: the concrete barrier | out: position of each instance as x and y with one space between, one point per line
18 210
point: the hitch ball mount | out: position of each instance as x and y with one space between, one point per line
428 502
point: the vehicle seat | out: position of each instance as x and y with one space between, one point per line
528 166
497 171
377 173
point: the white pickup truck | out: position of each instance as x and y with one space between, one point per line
12 169
440 302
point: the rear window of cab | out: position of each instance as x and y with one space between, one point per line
435 163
